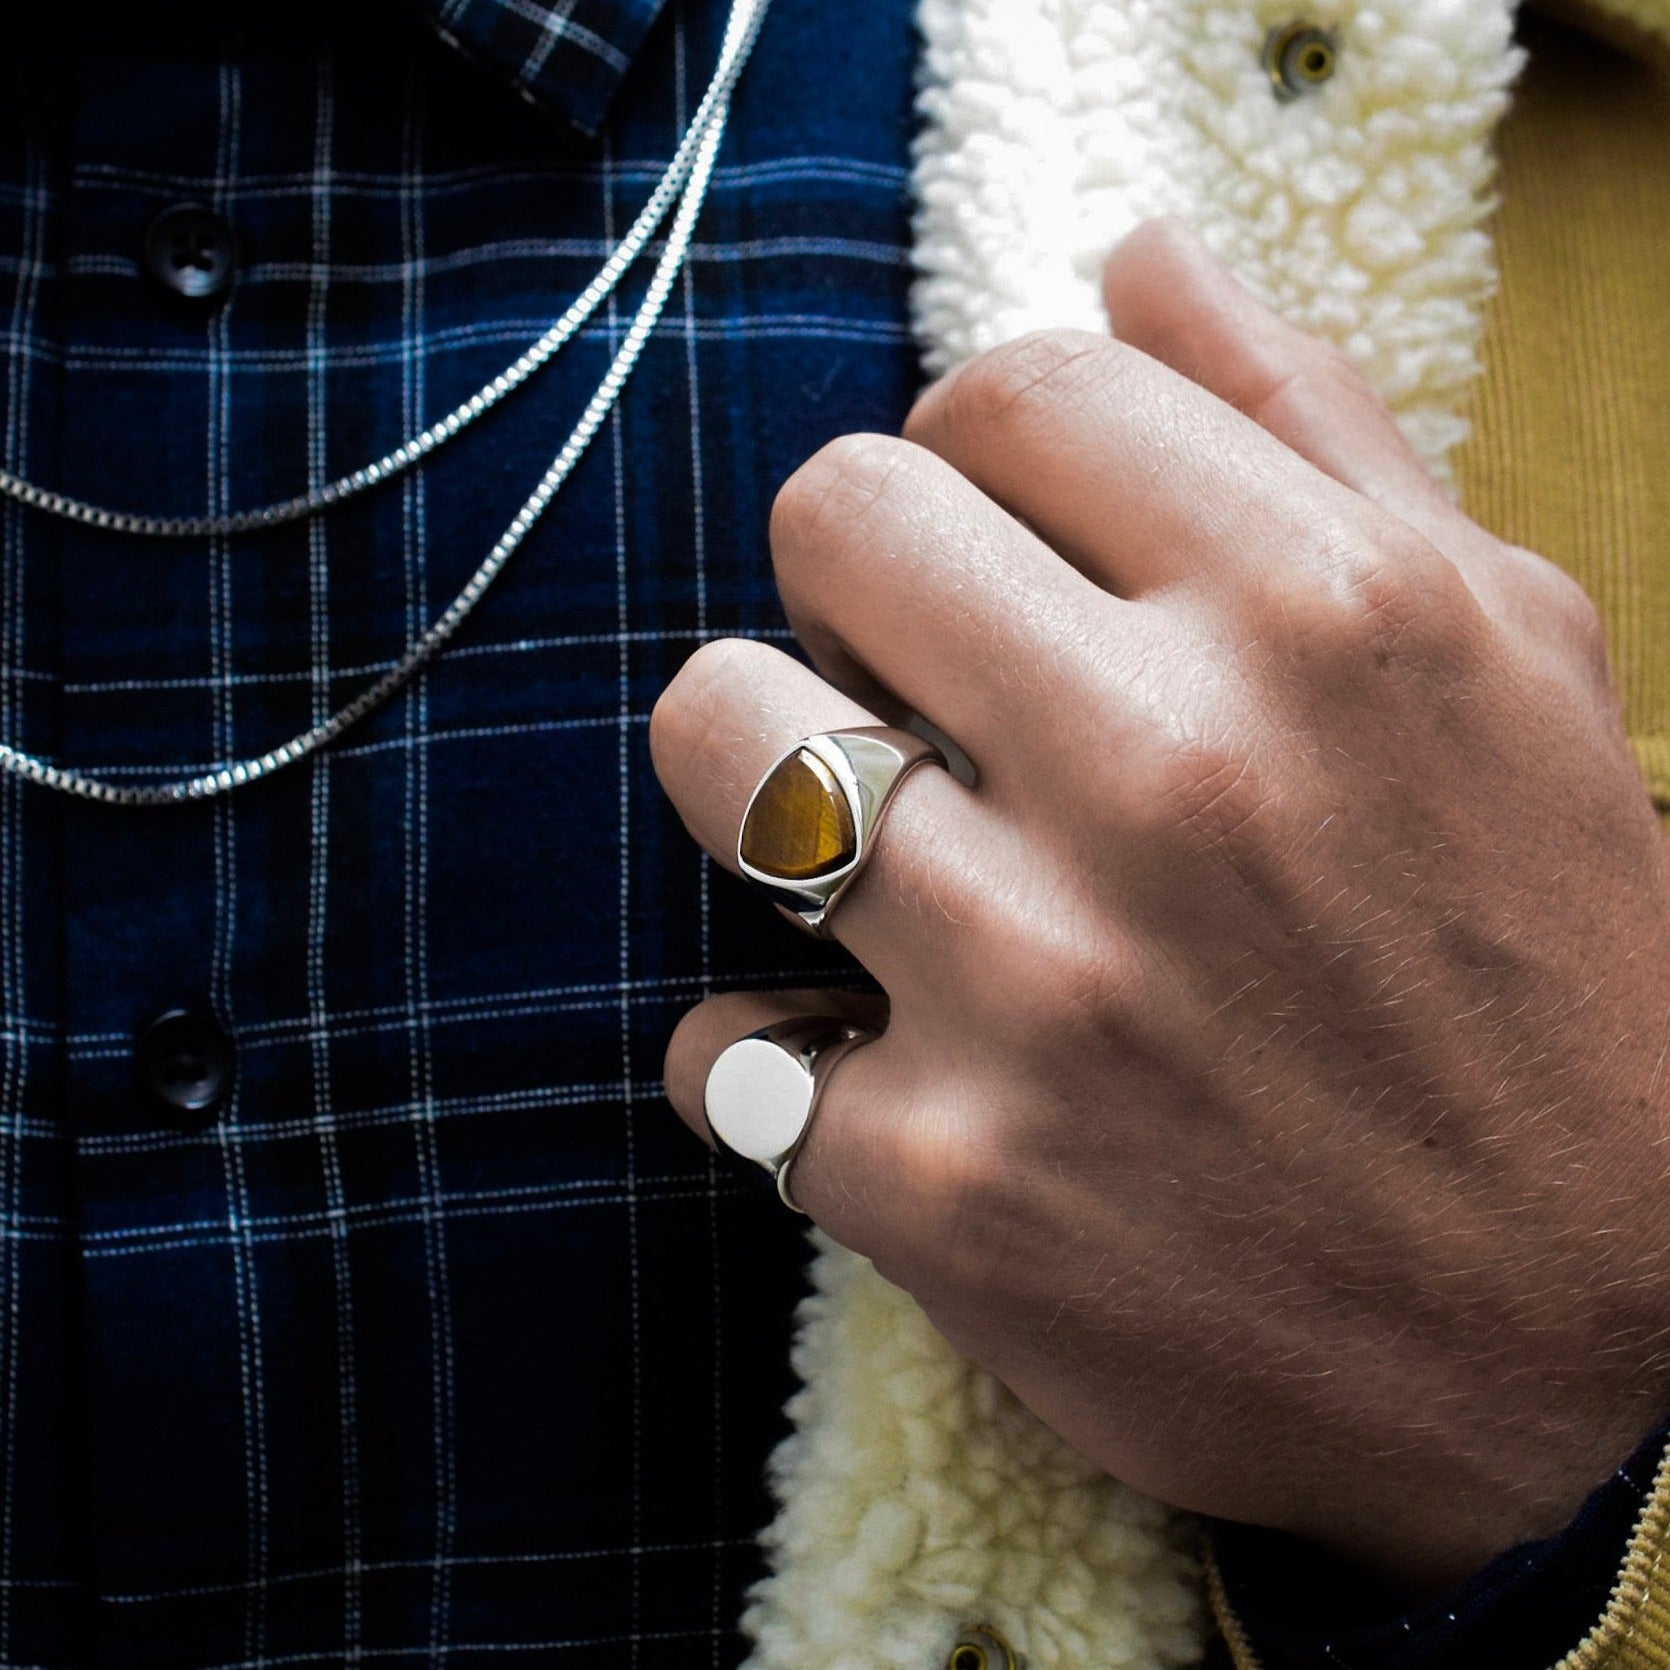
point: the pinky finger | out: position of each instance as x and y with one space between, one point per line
845 1173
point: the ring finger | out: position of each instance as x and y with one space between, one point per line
733 710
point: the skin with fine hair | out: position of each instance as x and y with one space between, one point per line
1272 1090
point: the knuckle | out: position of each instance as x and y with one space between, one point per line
965 1187
1332 364
1055 975
934 1150
688 709
837 489
1341 385
1094 989
1383 597
1562 606
1034 373
1213 796
1314 371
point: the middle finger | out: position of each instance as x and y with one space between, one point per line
898 573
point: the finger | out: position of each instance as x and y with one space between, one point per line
889 561
719 1021
847 1175
1139 477
733 710
1167 294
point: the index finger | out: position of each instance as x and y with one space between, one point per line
1137 475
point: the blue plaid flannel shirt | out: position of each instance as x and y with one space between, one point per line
444 1339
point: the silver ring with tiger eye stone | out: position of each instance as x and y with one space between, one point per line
810 825
763 1090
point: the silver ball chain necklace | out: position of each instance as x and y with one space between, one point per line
685 181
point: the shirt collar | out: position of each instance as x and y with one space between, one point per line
565 56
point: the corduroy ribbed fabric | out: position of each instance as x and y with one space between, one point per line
1572 412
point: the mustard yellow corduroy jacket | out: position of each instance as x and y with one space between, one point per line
1525 346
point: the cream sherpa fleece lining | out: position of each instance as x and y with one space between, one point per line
916 1495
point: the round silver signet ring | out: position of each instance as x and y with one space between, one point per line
763 1090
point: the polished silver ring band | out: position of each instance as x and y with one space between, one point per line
763 1090
861 770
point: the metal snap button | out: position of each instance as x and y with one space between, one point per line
980 1647
190 251
1298 58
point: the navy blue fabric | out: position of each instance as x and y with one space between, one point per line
445 1338
1305 1611
567 57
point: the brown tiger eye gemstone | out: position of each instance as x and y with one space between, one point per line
799 826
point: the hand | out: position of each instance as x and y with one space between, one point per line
1273 1090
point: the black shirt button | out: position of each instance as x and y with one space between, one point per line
185 1064
190 251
